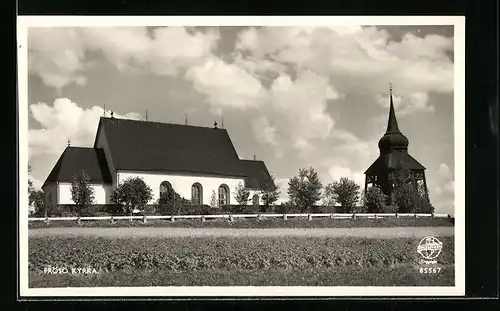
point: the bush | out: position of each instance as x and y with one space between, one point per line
375 200
132 193
390 209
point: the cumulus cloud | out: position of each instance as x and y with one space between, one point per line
450 187
363 57
57 55
62 121
226 85
444 170
337 171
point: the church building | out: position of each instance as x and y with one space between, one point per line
194 161
393 158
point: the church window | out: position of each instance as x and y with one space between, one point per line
255 199
196 194
223 195
165 187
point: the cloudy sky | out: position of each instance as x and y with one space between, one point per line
294 96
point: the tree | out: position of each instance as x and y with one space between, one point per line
304 190
345 192
270 193
37 198
171 202
82 193
242 194
328 197
213 200
408 195
132 193
31 188
375 200
409 200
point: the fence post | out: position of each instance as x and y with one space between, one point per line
415 215
397 216
203 218
231 218
309 217
376 216
47 220
112 220
331 216
259 217
78 220
432 215
353 215
144 219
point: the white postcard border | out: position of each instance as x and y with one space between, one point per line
24 22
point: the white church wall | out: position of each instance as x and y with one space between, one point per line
182 184
102 193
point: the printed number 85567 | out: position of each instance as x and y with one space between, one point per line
430 270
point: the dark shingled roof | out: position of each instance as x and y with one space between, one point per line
153 146
74 159
257 174
393 161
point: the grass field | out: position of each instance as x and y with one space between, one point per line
256 261
256 223
345 276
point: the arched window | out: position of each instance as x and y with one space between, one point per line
255 199
223 195
165 187
196 194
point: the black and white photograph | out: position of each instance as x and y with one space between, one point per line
241 156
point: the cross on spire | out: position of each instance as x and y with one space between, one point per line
215 125
392 123
69 142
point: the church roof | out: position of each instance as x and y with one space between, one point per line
89 159
257 175
163 147
393 139
393 161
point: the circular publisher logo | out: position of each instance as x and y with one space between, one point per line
429 247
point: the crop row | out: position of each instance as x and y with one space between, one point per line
210 253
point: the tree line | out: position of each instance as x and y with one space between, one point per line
305 191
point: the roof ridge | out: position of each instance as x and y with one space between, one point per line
163 123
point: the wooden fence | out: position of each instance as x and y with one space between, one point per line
234 216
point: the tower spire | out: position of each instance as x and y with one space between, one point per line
392 123
222 121
146 115
104 111
69 142
185 118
